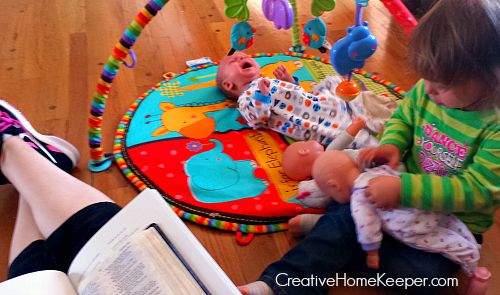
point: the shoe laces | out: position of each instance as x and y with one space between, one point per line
7 121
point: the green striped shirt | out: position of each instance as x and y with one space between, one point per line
452 157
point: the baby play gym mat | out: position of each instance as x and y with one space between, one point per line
185 139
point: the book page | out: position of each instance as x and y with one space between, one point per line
44 282
147 208
145 265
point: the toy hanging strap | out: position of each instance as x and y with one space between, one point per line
98 160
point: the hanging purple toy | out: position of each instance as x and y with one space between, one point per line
278 11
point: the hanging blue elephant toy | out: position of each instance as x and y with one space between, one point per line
351 52
242 36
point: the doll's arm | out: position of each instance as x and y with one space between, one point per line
345 138
368 226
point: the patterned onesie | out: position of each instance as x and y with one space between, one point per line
290 110
425 230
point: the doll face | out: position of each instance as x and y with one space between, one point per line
237 71
334 173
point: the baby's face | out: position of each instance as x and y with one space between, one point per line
237 71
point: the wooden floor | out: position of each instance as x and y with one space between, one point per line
52 52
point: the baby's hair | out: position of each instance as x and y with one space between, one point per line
458 41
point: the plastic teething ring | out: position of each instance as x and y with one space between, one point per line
244 241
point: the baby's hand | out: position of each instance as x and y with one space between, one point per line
281 73
383 154
264 86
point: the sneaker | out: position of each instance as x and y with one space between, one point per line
57 150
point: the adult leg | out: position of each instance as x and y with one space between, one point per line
25 230
327 249
398 260
52 194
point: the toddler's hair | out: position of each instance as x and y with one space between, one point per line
459 41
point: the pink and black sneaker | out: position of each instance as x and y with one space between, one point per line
57 150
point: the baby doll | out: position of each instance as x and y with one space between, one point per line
297 162
337 175
298 158
281 105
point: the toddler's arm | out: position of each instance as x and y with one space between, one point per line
473 189
399 129
397 137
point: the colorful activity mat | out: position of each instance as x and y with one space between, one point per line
185 139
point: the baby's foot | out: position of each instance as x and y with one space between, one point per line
301 225
256 288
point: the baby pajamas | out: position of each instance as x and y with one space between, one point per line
291 111
425 230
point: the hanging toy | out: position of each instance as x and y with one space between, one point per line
320 6
280 12
314 35
242 36
314 31
237 9
351 52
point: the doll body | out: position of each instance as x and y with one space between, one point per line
337 175
426 230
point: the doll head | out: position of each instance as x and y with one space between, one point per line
235 72
334 173
298 159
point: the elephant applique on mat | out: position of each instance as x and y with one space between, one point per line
214 177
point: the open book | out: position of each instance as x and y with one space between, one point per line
144 249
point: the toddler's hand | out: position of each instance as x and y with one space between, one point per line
384 192
264 86
281 73
383 154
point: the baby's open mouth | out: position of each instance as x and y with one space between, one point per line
246 65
